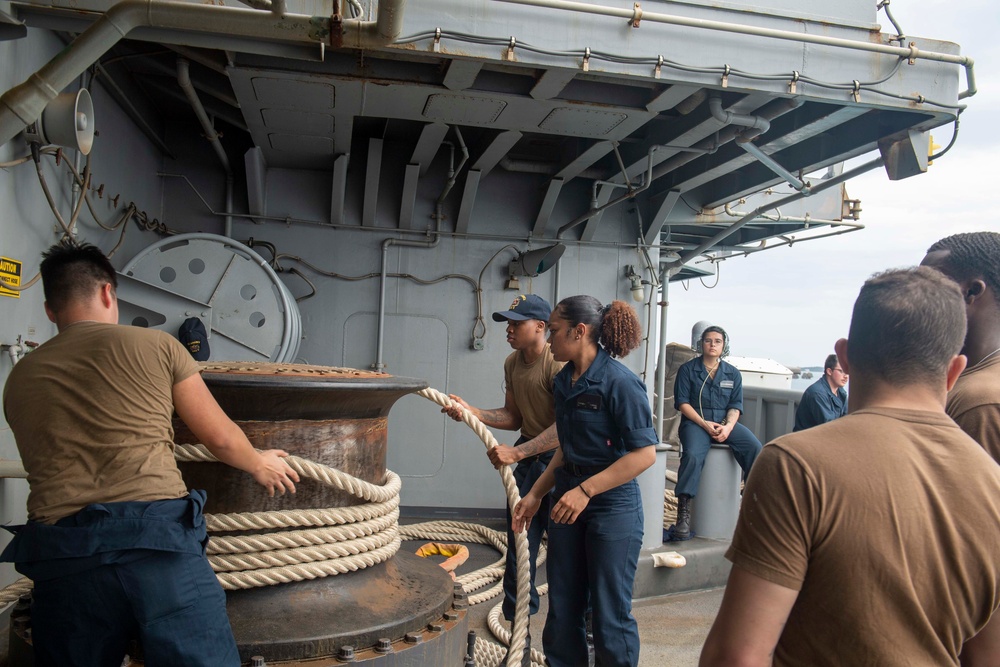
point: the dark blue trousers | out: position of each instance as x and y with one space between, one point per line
593 562
170 601
696 442
525 474
114 572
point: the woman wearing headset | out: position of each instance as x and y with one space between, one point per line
708 392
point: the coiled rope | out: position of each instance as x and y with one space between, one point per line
344 539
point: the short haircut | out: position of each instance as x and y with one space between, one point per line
973 255
831 362
907 325
72 271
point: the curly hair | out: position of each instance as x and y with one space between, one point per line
973 255
615 327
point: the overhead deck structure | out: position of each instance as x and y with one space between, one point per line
586 104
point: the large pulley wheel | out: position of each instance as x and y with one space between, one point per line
249 313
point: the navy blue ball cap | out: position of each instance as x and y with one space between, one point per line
525 307
195 338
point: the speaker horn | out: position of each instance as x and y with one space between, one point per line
68 121
533 262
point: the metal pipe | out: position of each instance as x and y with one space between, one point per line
756 126
184 81
725 233
724 136
23 104
661 368
648 180
910 52
771 164
794 219
547 168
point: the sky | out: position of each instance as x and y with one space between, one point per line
792 304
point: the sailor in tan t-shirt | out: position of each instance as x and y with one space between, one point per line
528 406
872 539
973 261
115 543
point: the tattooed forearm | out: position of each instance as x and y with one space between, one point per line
496 418
545 441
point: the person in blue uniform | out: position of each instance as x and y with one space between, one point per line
825 399
605 430
708 392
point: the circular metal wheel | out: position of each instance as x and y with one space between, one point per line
248 311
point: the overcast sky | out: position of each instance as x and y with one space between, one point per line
791 304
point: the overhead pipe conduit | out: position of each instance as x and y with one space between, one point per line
636 14
756 126
184 81
23 104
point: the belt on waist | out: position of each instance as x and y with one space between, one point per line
582 471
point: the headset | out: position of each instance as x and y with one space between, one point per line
717 329
725 353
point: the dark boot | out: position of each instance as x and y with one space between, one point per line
682 528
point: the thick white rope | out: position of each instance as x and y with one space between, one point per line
521 618
347 539
266 559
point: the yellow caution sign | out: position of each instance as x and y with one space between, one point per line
10 273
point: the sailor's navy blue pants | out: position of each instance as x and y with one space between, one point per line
592 562
171 601
114 572
526 473
696 443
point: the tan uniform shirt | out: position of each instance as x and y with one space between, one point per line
531 385
91 414
886 522
974 404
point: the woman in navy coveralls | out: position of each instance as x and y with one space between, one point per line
605 431
708 392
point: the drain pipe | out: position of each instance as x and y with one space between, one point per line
752 215
23 104
453 172
661 368
756 126
184 81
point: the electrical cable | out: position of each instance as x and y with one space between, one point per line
659 61
954 137
718 274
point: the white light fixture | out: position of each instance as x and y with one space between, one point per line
638 292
